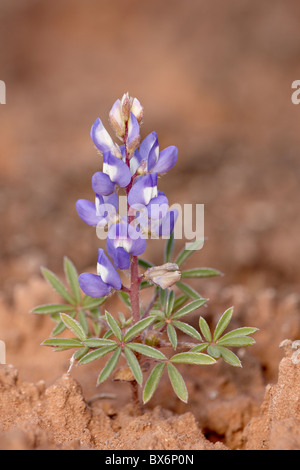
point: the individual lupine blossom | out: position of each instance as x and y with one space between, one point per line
102 283
101 212
135 168
124 240
148 158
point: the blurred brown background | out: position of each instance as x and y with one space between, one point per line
215 80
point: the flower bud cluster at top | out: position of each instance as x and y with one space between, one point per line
134 165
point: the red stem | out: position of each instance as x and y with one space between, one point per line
135 280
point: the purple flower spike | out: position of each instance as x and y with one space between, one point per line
106 279
124 240
100 212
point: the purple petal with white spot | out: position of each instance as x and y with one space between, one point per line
102 184
107 272
148 144
166 160
101 137
92 285
135 162
143 190
116 169
133 130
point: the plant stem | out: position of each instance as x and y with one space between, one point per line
134 289
135 279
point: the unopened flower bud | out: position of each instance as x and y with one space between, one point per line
133 138
164 276
125 106
137 109
116 119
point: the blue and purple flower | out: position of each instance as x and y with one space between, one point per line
124 240
102 283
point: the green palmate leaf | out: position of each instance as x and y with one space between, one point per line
192 358
72 277
109 366
113 326
125 297
179 302
191 307
138 327
146 350
74 326
97 354
189 291
90 303
57 285
83 321
199 348
170 303
98 342
172 335
237 341
214 351
187 329
63 342
223 323
245 331
144 263
134 365
52 309
200 272
169 248
178 383
205 330
230 357
153 381
188 250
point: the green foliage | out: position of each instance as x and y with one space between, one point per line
96 335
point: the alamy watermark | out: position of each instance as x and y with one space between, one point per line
296 94
153 221
2 92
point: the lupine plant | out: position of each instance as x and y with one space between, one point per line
144 340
